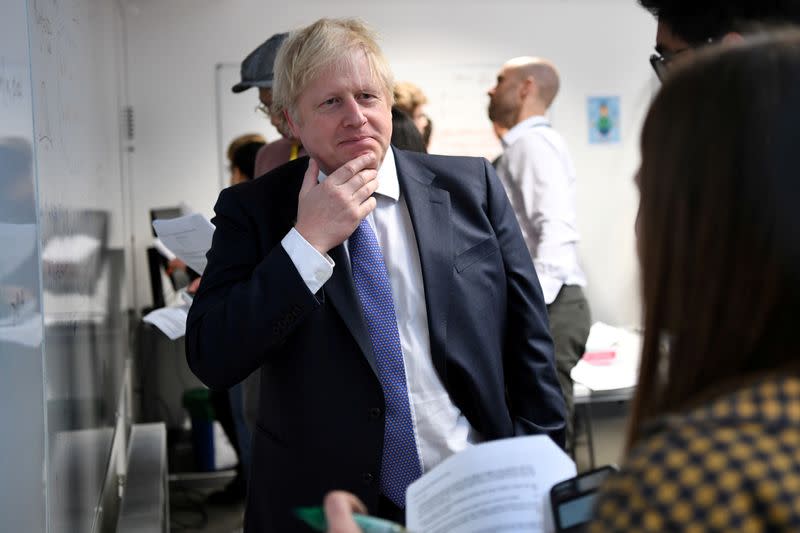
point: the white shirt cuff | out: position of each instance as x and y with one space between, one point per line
314 267
550 287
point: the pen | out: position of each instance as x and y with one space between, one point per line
315 517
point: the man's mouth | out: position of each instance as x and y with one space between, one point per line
355 140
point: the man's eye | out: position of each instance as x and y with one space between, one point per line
328 102
367 96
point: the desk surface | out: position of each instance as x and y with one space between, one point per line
583 394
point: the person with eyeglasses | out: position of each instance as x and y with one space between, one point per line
684 27
258 71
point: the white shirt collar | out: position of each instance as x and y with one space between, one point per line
517 131
388 185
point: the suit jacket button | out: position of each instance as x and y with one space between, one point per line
375 413
368 478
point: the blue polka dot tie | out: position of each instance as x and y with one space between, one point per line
400 465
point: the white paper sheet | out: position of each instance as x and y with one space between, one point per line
170 320
498 486
620 371
188 237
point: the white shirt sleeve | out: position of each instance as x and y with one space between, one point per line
314 267
542 180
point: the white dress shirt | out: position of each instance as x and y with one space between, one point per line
539 177
441 429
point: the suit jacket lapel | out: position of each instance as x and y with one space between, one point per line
429 207
342 294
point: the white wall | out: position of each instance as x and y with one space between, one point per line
600 46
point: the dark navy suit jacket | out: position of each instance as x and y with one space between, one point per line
320 422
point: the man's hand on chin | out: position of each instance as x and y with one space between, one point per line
329 212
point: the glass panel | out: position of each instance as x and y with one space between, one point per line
22 444
64 218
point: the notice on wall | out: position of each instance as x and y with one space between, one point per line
604 119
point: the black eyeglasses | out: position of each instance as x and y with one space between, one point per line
660 62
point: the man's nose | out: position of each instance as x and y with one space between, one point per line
353 114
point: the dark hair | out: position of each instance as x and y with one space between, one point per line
405 134
700 20
427 132
241 140
718 226
244 158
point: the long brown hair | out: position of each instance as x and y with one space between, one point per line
719 225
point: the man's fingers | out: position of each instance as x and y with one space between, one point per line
344 173
367 207
339 509
311 176
359 180
365 191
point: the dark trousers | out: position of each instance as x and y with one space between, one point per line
570 320
221 402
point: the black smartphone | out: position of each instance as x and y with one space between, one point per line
573 499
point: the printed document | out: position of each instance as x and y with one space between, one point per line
498 486
188 237
170 320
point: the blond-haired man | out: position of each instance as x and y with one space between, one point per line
387 296
539 176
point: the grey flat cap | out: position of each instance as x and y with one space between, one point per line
257 68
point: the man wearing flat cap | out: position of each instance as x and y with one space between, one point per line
258 70
388 297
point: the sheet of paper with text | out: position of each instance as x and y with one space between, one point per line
498 486
188 237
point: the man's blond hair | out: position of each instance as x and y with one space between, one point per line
307 52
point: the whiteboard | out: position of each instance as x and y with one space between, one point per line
457 105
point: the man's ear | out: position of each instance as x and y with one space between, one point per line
291 123
528 87
732 38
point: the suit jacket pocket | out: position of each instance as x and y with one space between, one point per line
481 250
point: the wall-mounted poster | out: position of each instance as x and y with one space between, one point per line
604 121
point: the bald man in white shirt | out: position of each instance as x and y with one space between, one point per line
539 177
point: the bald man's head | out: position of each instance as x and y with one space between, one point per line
526 86
543 73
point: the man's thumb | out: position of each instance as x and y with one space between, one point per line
310 179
